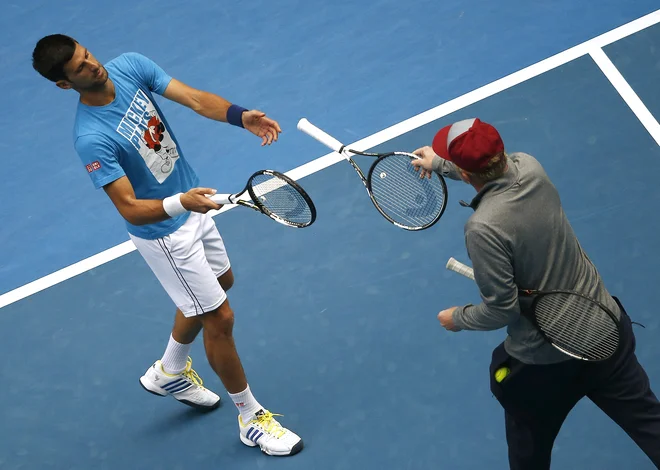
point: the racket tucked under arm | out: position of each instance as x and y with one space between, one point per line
575 324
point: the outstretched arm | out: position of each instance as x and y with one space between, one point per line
217 108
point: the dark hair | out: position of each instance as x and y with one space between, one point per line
51 53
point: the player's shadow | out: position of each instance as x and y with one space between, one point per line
174 421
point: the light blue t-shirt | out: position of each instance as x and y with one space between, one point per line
130 137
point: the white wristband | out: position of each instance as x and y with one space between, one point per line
172 205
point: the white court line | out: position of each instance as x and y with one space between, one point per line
479 94
366 143
627 93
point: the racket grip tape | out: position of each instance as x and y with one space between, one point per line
460 268
221 198
326 139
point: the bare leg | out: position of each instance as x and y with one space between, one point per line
221 349
185 330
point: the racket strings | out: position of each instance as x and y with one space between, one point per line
403 195
587 332
577 325
281 199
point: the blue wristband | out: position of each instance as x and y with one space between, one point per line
234 115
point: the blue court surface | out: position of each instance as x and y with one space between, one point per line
336 324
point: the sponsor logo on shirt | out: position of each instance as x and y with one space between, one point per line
93 166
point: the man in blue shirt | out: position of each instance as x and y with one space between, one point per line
128 149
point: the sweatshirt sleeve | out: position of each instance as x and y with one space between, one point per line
493 272
446 168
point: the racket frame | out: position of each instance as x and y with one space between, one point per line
412 156
254 203
538 295
310 129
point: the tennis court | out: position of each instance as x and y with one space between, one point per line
336 323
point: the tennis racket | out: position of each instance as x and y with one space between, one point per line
392 183
575 324
275 195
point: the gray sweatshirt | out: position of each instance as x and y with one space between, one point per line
519 237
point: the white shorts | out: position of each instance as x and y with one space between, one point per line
188 263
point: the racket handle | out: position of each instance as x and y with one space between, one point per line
221 198
460 268
326 139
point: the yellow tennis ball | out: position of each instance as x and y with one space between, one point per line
501 373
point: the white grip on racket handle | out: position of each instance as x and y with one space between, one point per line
460 268
326 139
221 198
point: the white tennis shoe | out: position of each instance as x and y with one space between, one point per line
187 387
264 431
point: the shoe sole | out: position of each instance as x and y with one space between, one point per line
294 450
185 402
154 392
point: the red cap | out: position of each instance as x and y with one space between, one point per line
469 144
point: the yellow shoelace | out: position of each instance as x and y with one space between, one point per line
270 425
191 374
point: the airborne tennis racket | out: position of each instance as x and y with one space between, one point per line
275 195
575 324
393 184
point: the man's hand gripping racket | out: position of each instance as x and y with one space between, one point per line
276 195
